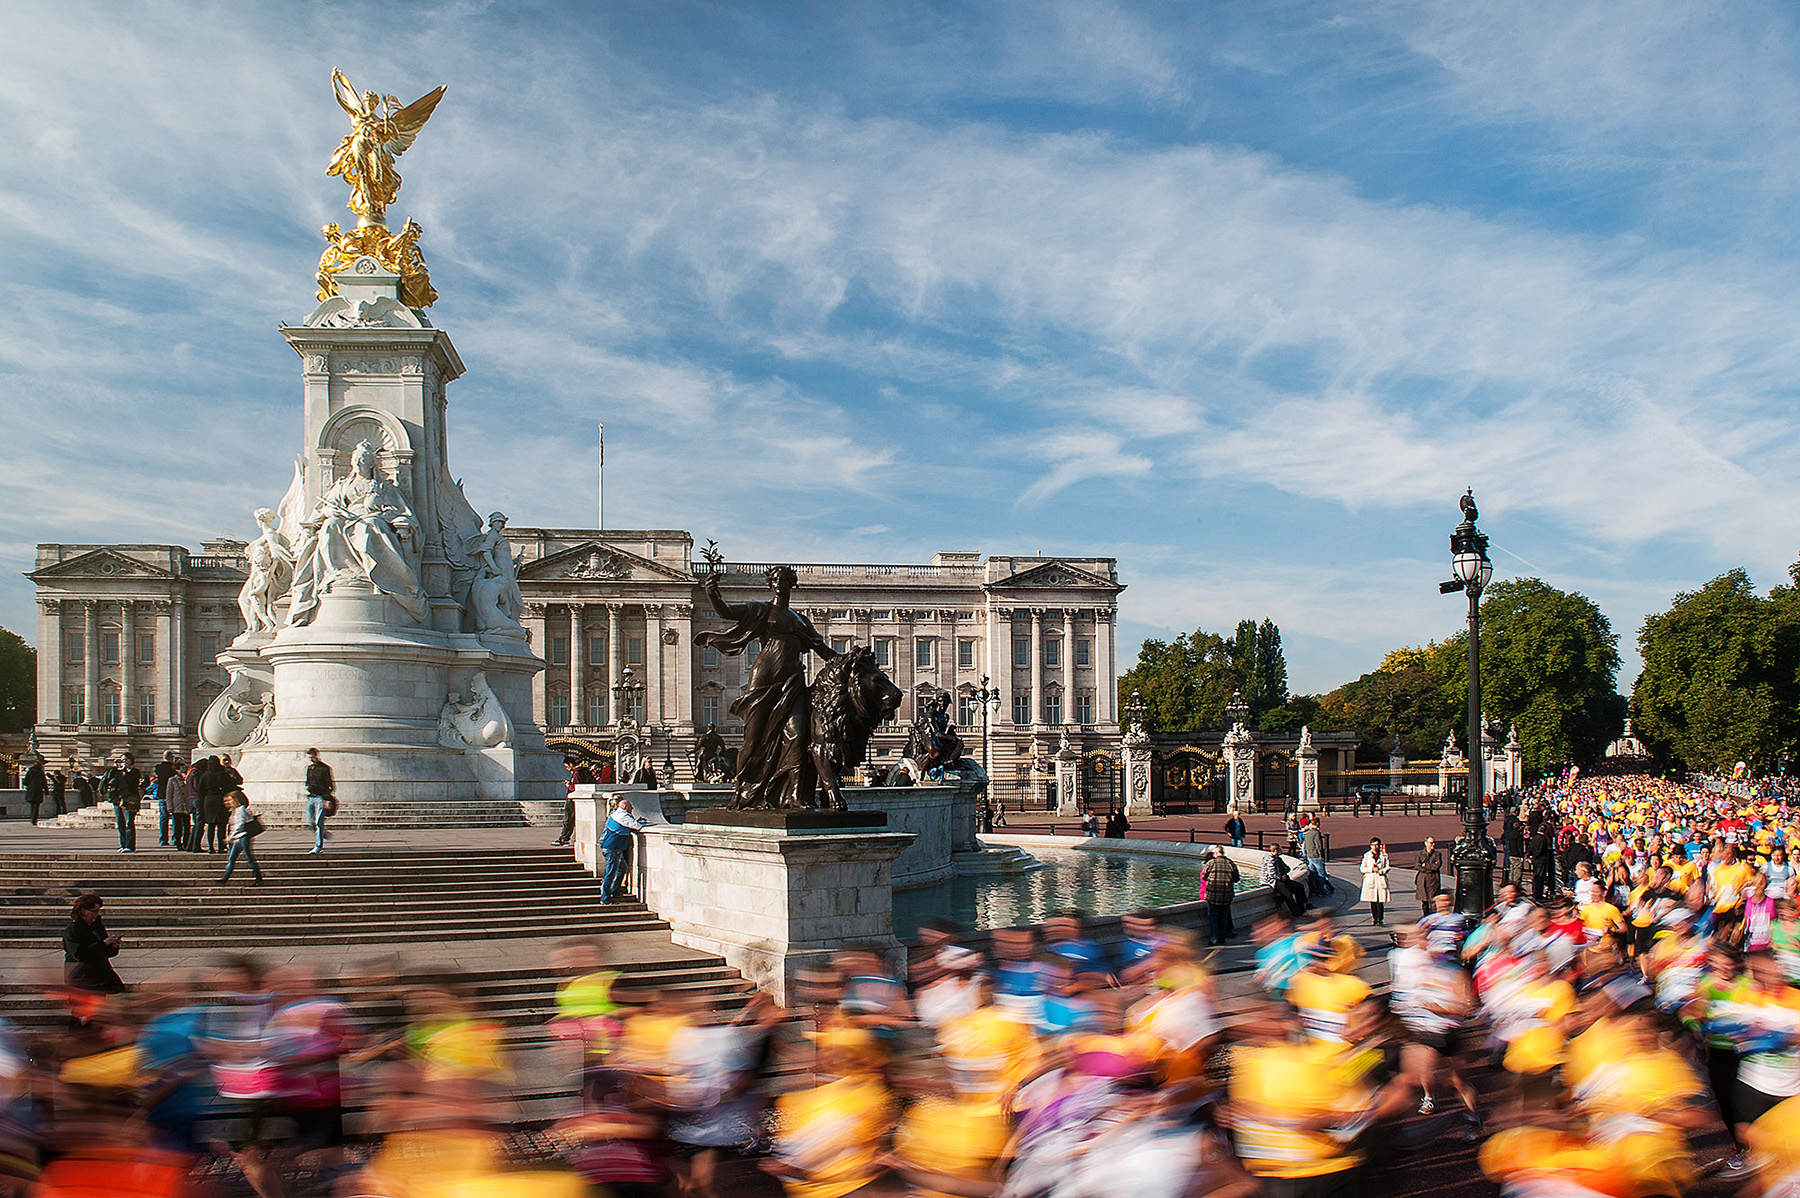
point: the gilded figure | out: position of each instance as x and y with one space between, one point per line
381 131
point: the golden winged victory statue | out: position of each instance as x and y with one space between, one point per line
381 130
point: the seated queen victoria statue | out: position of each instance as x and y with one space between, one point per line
362 529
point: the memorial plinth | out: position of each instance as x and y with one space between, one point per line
382 630
769 900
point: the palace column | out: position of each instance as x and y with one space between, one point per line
1106 688
578 664
1068 666
51 650
684 668
177 651
999 659
127 653
906 669
653 664
612 662
91 657
1037 667
165 647
537 627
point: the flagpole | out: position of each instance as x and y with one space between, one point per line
603 476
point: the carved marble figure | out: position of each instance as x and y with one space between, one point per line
362 528
494 598
271 574
475 721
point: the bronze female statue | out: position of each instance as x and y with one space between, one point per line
775 766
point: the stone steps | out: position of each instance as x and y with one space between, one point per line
166 899
467 814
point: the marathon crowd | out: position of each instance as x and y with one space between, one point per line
1589 1043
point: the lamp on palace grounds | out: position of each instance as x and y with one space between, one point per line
1473 854
988 699
626 693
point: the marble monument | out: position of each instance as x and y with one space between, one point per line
382 619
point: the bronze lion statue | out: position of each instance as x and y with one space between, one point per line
850 697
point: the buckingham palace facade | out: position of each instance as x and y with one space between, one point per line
128 633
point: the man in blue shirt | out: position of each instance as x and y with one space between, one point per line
615 846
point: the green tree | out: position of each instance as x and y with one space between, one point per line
1187 683
1549 667
1719 683
1404 695
18 683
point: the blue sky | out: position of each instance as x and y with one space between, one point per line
1242 294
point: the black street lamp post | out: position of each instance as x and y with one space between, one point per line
988 699
1473 854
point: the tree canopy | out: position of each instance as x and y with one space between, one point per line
18 683
1721 678
1188 682
1549 661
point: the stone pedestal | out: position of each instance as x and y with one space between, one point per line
1240 759
1308 757
1134 754
1068 779
771 901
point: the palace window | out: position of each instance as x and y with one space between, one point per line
209 647
146 708
109 648
77 650
1022 707
634 650
596 712
1053 655
966 713
597 650
838 614
146 649
884 653
559 710
752 651
840 644
881 615
1021 654
637 707
74 707
709 710
1084 709
109 709
709 656
1052 709
559 654
965 655
922 654
1084 653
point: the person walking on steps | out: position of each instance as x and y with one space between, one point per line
1375 866
37 784
123 787
245 826
321 799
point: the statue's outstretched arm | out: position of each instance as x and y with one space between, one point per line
710 584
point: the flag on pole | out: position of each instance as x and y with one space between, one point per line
601 477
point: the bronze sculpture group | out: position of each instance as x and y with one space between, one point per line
799 739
